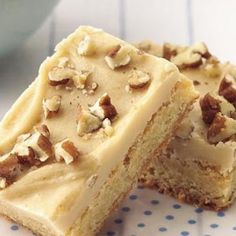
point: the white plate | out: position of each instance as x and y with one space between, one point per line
148 213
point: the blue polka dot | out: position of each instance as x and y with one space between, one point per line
147 213
221 214
234 228
192 222
214 226
141 187
176 206
126 209
118 221
198 210
133 197
169 217
110 233
162 229
184 233
141 225
155 202
14 227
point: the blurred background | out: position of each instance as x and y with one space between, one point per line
177 21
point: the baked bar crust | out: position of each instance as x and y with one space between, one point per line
198 166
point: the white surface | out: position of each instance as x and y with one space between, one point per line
182 21
147 213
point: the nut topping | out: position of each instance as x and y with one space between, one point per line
103 108
80 79
169 51
138 79
221 129
201 49
86 47
87 123
9 169
117 57
39 143
187 59
66 151
43 129
60 75
210 107
227 89
26 156
51 106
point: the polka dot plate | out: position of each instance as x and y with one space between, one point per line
148 213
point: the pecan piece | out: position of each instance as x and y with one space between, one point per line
66 151
221 129
60 75
227 89
138 79
117 57
103 108
87 122
51 106
210 107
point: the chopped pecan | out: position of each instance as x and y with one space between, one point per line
221 129
27 157
60 75
80 79
169 51
43 129
103 108
66 151
51 106
187 59
40 144
201 49
138 79
210 107
87 122
117 57
227 89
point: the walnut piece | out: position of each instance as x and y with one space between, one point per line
227 89
51 106
66 151
87 123
86 46
117 57
221 129
60 75
210 107
138 79
103 108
